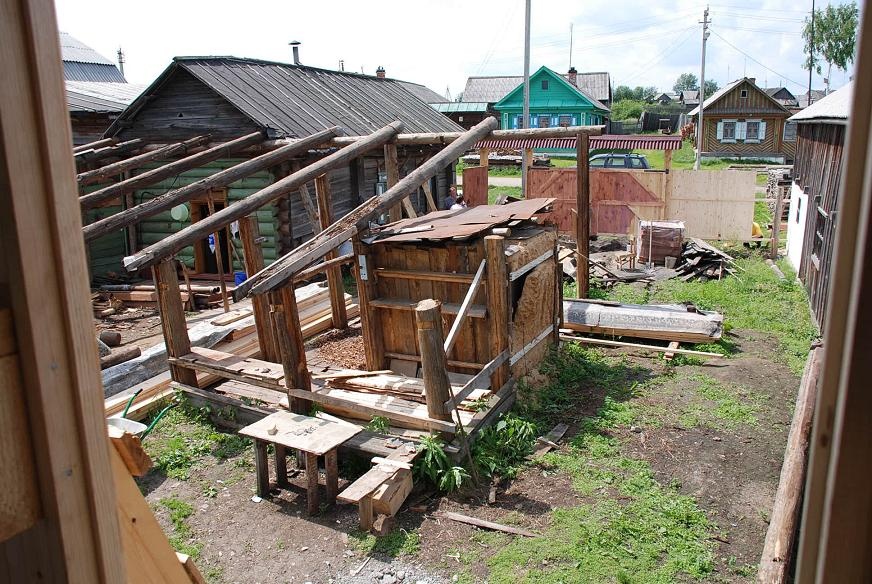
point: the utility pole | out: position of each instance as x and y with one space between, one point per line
699 129
570 45
526 109
810 54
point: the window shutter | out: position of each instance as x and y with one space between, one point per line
741 130
762 130
720 132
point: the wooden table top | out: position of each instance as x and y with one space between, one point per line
304 433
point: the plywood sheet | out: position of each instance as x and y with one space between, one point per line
714 204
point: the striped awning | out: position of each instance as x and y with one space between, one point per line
607 141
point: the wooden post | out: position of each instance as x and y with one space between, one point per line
253 256
172 318
392 169
313 502
219 258
281 465
775 237
428 318
286 327
364 509
331 471
483 154
334 275
582 205
528 164
667 183
261 468
371 324
497 304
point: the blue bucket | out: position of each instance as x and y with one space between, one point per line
239 277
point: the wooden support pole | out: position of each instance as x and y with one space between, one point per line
428 318
219 258
313 501
261 468
172 318
115 150
289 337
497 303
334 274
528 164
281 466
151 177
253 255
311 211
284 269
392 169
370 318
428 194
170 199
483 155
331 470
251 203
77 150
103 173
775 238
582 225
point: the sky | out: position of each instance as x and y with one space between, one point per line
441 43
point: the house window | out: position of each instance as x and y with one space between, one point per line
544 121
565 121
752 131
544 84
729 132
519 121
743 94
790 132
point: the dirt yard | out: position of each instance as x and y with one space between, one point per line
666 474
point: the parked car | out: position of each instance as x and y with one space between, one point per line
610 160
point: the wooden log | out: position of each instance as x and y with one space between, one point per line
582 223
334 274
120 356
77 150
111 338
285 268
286 327
117 168
781 535
172 318
445 138
428 318
253 255
115 150
497 303
183 194
151 177
392 170
251 203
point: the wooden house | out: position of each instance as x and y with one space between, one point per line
464 113
491 89
784 96
554 101
743 121
814 197
224 98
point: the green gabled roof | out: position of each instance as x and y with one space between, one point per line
578 94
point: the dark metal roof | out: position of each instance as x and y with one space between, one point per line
297 101
82 63
607 141
424 93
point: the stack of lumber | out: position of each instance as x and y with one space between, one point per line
703 261
207 294
387 383
659 240
104 305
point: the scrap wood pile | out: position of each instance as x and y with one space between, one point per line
387 383
606 274
703 261
200 294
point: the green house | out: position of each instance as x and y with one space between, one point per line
554 101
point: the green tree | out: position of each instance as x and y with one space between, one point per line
686 82
622 92
628 109
711 86
835 37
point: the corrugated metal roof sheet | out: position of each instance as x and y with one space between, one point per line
423 92
82 63
835 106
459 107
298 101
607 141
93 96
493 89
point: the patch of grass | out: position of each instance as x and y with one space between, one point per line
184 437
182 538
494 192
722 405
396 543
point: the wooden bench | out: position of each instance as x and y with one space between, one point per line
383 488
312 436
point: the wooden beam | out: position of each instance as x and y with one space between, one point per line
253 256
582 218
371 320
43 281
285 268
286 324
464 308
109 151
151 177
478 380
445 138
251 203
77 150
183 194
610 343
116 168
428 319
311 211
392 170
219 259
334 273
172 318
324 266
497 303
428 194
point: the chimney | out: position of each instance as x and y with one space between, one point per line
121 61
753 80
295 46
380 72
572 76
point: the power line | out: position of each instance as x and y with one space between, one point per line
679 41
785 77
762 30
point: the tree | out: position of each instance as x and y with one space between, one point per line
711 86
628 109
686 82
622 92
835 37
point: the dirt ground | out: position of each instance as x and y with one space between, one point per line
731 470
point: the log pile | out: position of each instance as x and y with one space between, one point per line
207 294
703 261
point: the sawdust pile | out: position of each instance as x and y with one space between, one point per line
344 348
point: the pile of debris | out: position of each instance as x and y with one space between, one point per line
703 261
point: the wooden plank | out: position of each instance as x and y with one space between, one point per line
311 211
532 344
609 343
474 311
424 275
313 435
130 450
392 170
172 318
531 265
451 363
547 442
464 308
191 569
371 320
497 303
334 274
479 379
483 524
366 484
428 194
670 355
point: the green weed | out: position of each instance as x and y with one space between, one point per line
378 424
182 536
434 466
502 447
397 543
